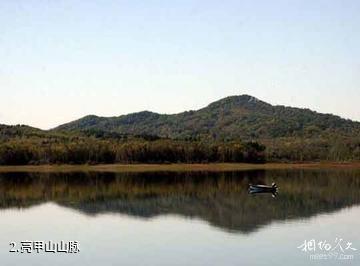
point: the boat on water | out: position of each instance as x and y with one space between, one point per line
263 188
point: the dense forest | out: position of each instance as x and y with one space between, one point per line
23 145
234 129
237 117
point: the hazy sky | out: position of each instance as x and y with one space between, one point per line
61 60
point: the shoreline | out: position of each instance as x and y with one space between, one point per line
180 167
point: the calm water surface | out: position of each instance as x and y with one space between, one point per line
181 218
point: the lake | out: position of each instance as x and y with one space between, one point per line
182 218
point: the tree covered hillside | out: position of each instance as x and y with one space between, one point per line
234 129
236 117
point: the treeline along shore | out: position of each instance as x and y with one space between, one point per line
49 148
22 145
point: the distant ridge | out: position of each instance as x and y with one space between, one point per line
234 129
234 117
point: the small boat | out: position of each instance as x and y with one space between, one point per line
262 188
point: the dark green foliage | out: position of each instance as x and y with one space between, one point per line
234 129
51 148
237 117
336 148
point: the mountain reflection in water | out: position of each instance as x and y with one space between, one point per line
221 199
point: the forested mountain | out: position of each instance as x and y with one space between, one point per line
234 129
237 117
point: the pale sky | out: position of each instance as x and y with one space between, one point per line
61 60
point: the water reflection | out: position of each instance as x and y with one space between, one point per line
221 199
